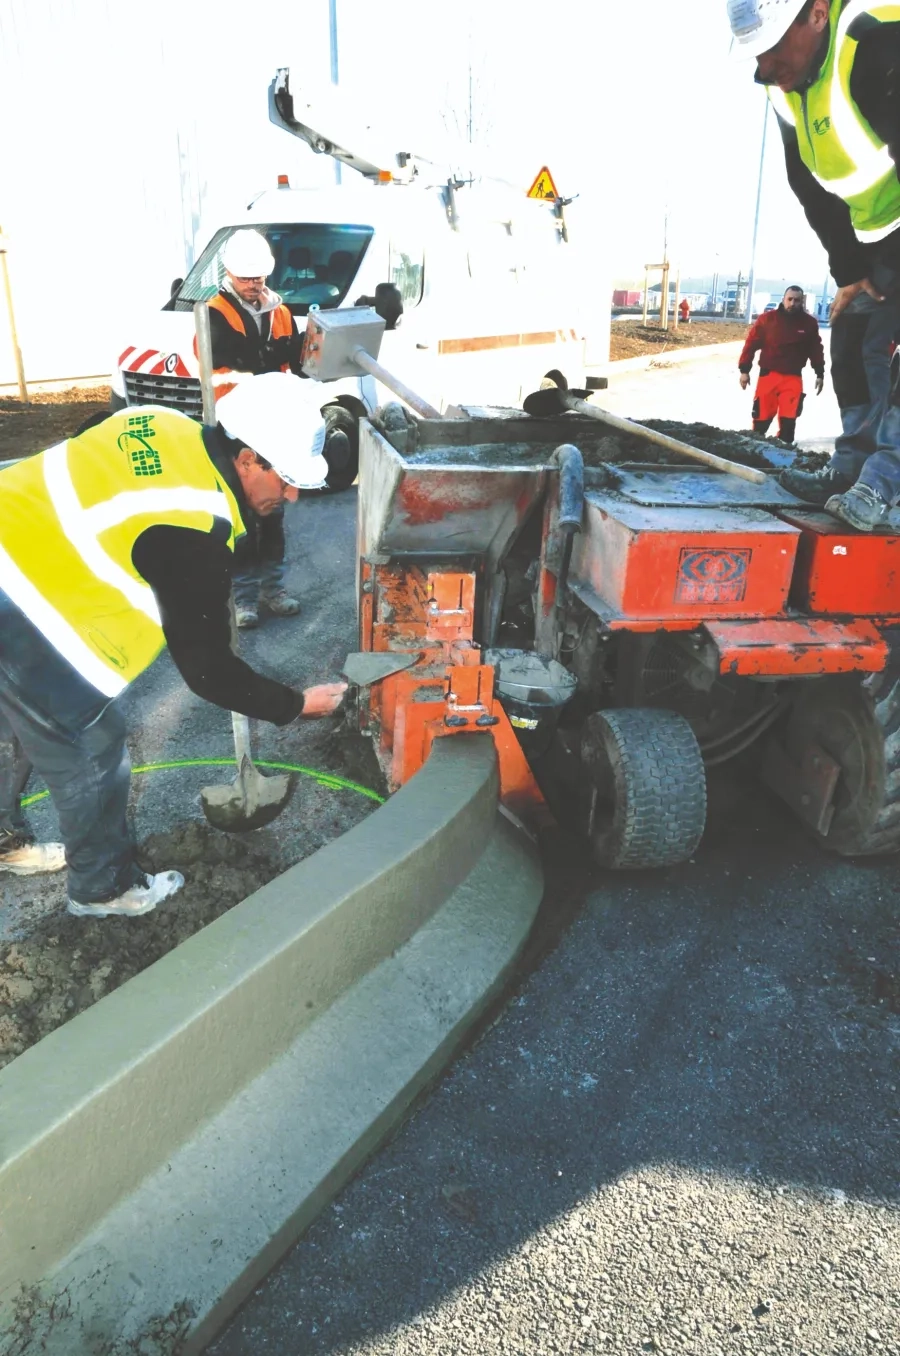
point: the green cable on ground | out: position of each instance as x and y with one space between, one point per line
328 779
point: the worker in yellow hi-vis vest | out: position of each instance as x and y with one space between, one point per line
114 545
829 67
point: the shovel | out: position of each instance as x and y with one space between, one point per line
251 800
557 399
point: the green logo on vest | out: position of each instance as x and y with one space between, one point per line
821 125
145 460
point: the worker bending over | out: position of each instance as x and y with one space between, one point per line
786 339
830 69
112 546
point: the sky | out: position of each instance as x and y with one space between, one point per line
132 133
638 107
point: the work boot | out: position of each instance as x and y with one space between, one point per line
816 487
139 898
246 615
786 430
861 507
30 859
280 603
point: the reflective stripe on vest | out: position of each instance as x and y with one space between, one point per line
69 519
842 151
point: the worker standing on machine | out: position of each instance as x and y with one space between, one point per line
786 339
830 71
112 546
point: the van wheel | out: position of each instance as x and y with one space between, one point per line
648 787
343 468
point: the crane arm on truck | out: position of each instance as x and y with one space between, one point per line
303 118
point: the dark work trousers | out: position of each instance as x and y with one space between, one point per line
74 737
861 340
259 558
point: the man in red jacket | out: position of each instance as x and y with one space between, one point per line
788 339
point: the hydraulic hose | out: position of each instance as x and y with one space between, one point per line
571 504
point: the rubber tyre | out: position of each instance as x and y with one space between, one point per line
863 737
339 417
647 769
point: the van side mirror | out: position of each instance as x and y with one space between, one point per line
387 302
175 286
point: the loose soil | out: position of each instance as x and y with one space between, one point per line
747 448
46 418
631 339
66 964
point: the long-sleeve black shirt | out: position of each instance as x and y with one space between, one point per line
875 89
190 575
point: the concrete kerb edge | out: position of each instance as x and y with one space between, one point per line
675 355
99 1106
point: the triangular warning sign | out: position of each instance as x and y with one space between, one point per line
543 186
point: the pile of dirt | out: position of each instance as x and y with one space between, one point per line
632 339
46 418
747 448
66 964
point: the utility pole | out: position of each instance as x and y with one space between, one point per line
333 45
14 338
748 315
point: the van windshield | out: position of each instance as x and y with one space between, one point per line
315 265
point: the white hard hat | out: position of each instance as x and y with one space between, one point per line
247 255
278 416
758 25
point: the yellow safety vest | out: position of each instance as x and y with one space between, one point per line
841 149
69 519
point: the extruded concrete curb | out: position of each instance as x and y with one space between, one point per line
674 355
160 1151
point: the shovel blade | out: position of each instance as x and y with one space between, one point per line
249 802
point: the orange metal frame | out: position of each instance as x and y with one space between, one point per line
448 691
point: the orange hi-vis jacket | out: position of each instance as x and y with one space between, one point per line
239 349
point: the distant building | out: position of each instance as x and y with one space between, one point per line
627 297
698 301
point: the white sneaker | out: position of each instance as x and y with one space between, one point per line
138 899
33 858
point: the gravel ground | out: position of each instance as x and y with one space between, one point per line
630 338
46 418
680 1137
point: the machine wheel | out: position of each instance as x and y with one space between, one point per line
863 738
646 769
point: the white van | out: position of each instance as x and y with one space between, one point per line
489 282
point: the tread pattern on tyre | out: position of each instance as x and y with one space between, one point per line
884 835
659 780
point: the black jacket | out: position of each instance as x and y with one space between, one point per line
252 351
875 89
190 575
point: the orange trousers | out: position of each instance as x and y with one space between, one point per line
778 393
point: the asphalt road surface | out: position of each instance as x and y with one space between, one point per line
680 1136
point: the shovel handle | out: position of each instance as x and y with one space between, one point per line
650 435
241 727
205 361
